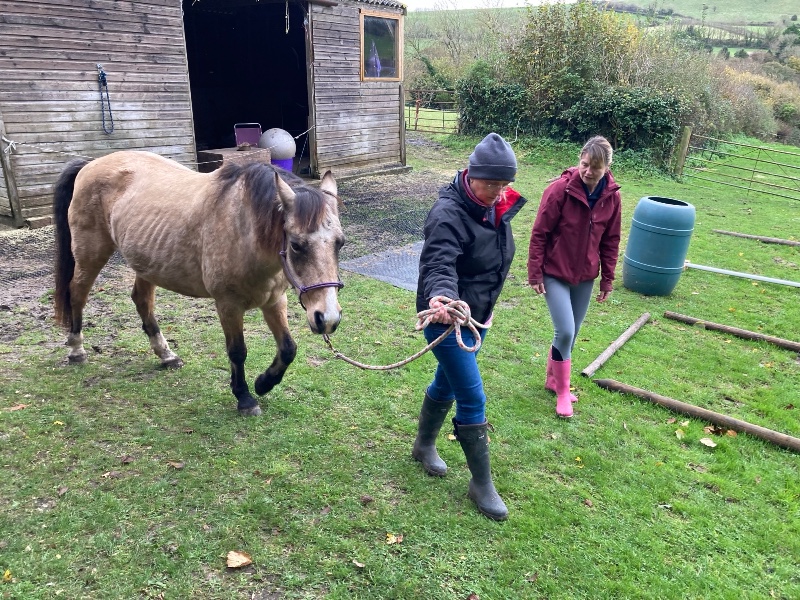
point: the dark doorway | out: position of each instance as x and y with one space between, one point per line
247 63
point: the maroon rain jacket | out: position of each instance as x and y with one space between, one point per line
571 241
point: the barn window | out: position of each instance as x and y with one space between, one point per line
381 49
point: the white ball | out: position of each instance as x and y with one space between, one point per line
280 143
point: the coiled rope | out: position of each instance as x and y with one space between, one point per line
459 312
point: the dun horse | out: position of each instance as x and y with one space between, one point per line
240 235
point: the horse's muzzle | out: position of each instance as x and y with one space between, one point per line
325 324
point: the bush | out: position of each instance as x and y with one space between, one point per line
487 104
634 118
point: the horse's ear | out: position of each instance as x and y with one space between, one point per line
285 193
328 185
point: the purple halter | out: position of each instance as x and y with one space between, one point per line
302 289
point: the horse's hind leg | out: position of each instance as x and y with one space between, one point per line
88 265
232 320
144 297
276 319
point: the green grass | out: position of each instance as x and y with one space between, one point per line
121 480
431 120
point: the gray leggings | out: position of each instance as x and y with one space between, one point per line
568 305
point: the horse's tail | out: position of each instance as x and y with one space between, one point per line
65 261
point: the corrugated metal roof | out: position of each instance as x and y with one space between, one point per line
389 3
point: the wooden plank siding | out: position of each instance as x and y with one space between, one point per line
357 123
50 103
49 92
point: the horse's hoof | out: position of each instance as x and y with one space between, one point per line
172 363
254 411
263 384
77 359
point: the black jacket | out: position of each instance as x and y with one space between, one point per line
465 257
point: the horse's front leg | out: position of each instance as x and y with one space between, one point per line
144 297
232 320
286 348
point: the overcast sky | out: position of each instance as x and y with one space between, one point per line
431 4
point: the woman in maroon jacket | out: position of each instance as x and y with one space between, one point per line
575 238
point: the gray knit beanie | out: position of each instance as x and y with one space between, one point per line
493 159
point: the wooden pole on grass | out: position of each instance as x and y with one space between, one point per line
780 439
742 333
600 360
760 238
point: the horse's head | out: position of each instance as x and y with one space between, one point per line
313 237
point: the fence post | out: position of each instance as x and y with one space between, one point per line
683 150
10 178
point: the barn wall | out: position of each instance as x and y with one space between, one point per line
49 95
357 123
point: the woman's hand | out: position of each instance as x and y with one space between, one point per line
441 315
603 296
539 288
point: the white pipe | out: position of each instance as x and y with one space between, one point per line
688 265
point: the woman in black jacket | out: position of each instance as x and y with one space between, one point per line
466 256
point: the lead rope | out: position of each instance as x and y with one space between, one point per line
457 309
103 83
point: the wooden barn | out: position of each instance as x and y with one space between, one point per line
82 78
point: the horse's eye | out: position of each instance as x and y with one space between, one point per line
296 248
339 243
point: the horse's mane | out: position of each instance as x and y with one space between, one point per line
258 182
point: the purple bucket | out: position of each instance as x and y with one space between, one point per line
283 163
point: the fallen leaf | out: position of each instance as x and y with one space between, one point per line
111 475
708 442
451 437
358 564
325 510
62 490
176 465
366 499
58 422
684 423
126 460
532 578
588 503
391 538
679 434
16 407
7 576
671 420
731 433
698 468
473 596
237 560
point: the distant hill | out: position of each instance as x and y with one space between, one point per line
733 12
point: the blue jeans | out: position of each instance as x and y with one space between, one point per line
457 375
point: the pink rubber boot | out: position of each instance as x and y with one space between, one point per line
550 382
561 371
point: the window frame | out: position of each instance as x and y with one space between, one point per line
398 18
